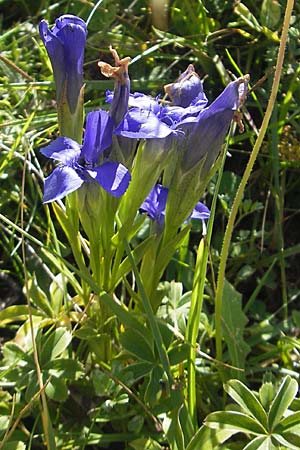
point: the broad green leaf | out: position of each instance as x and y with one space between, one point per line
270 13
290 424
233 421
57 341
137 344
56 291
56 388
178 354
209 439
266 394
4 423
247 400
39 298
135 424
15 445
65 367
260 443
282 401
233 325
289 441
136 371
166 332
154 387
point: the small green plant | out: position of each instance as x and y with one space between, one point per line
265 418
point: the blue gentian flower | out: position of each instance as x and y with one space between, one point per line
200 130
187 90
155 206
65 44
80 164
191 130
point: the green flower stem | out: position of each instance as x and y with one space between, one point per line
240 191
197 296
161 350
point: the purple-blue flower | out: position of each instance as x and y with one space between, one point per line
199 130
155 205
80 164
187 90
151 118
65 44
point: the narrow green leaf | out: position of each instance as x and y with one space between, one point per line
247 400
209 439
15 313
289 441
245 14
138 253
233 421
173 430
260 443
282 401
289 424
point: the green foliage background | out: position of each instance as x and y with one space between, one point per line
88 404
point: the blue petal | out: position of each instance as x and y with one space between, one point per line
73 34
55 50
200 212
155 203
98 135
65 45
63 149
142 101
228 99
140 124
112 176
206 136
187 88
62 181
68 19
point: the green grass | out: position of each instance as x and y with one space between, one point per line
125 401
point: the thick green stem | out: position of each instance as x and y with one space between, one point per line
240 191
